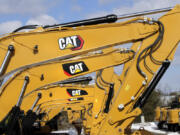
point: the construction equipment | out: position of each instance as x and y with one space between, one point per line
173 119
157 113
169 116
54 59
173 115
162 121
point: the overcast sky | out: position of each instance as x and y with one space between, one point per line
16 13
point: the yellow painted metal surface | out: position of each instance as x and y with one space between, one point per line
173 116
51 56
157 114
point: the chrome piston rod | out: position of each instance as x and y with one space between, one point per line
6 59
26 81
36 101
70 131
37 109
149 12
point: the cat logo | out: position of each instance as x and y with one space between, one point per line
71 42
74 68
76 92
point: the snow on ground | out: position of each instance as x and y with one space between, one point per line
152 127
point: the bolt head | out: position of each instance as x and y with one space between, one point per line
132 98
11 48
144 83
39 95
121 107
26 78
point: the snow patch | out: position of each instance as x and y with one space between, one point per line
152 127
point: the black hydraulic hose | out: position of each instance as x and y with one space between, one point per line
156 47
159 38
100 75
153 49
147 67
161 34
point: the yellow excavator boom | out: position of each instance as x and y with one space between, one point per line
43 69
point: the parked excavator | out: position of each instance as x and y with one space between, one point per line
161 117
173 115
173 119
168 116
45 86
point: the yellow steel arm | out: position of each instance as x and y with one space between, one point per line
55 71
45 45
134 85
47 56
